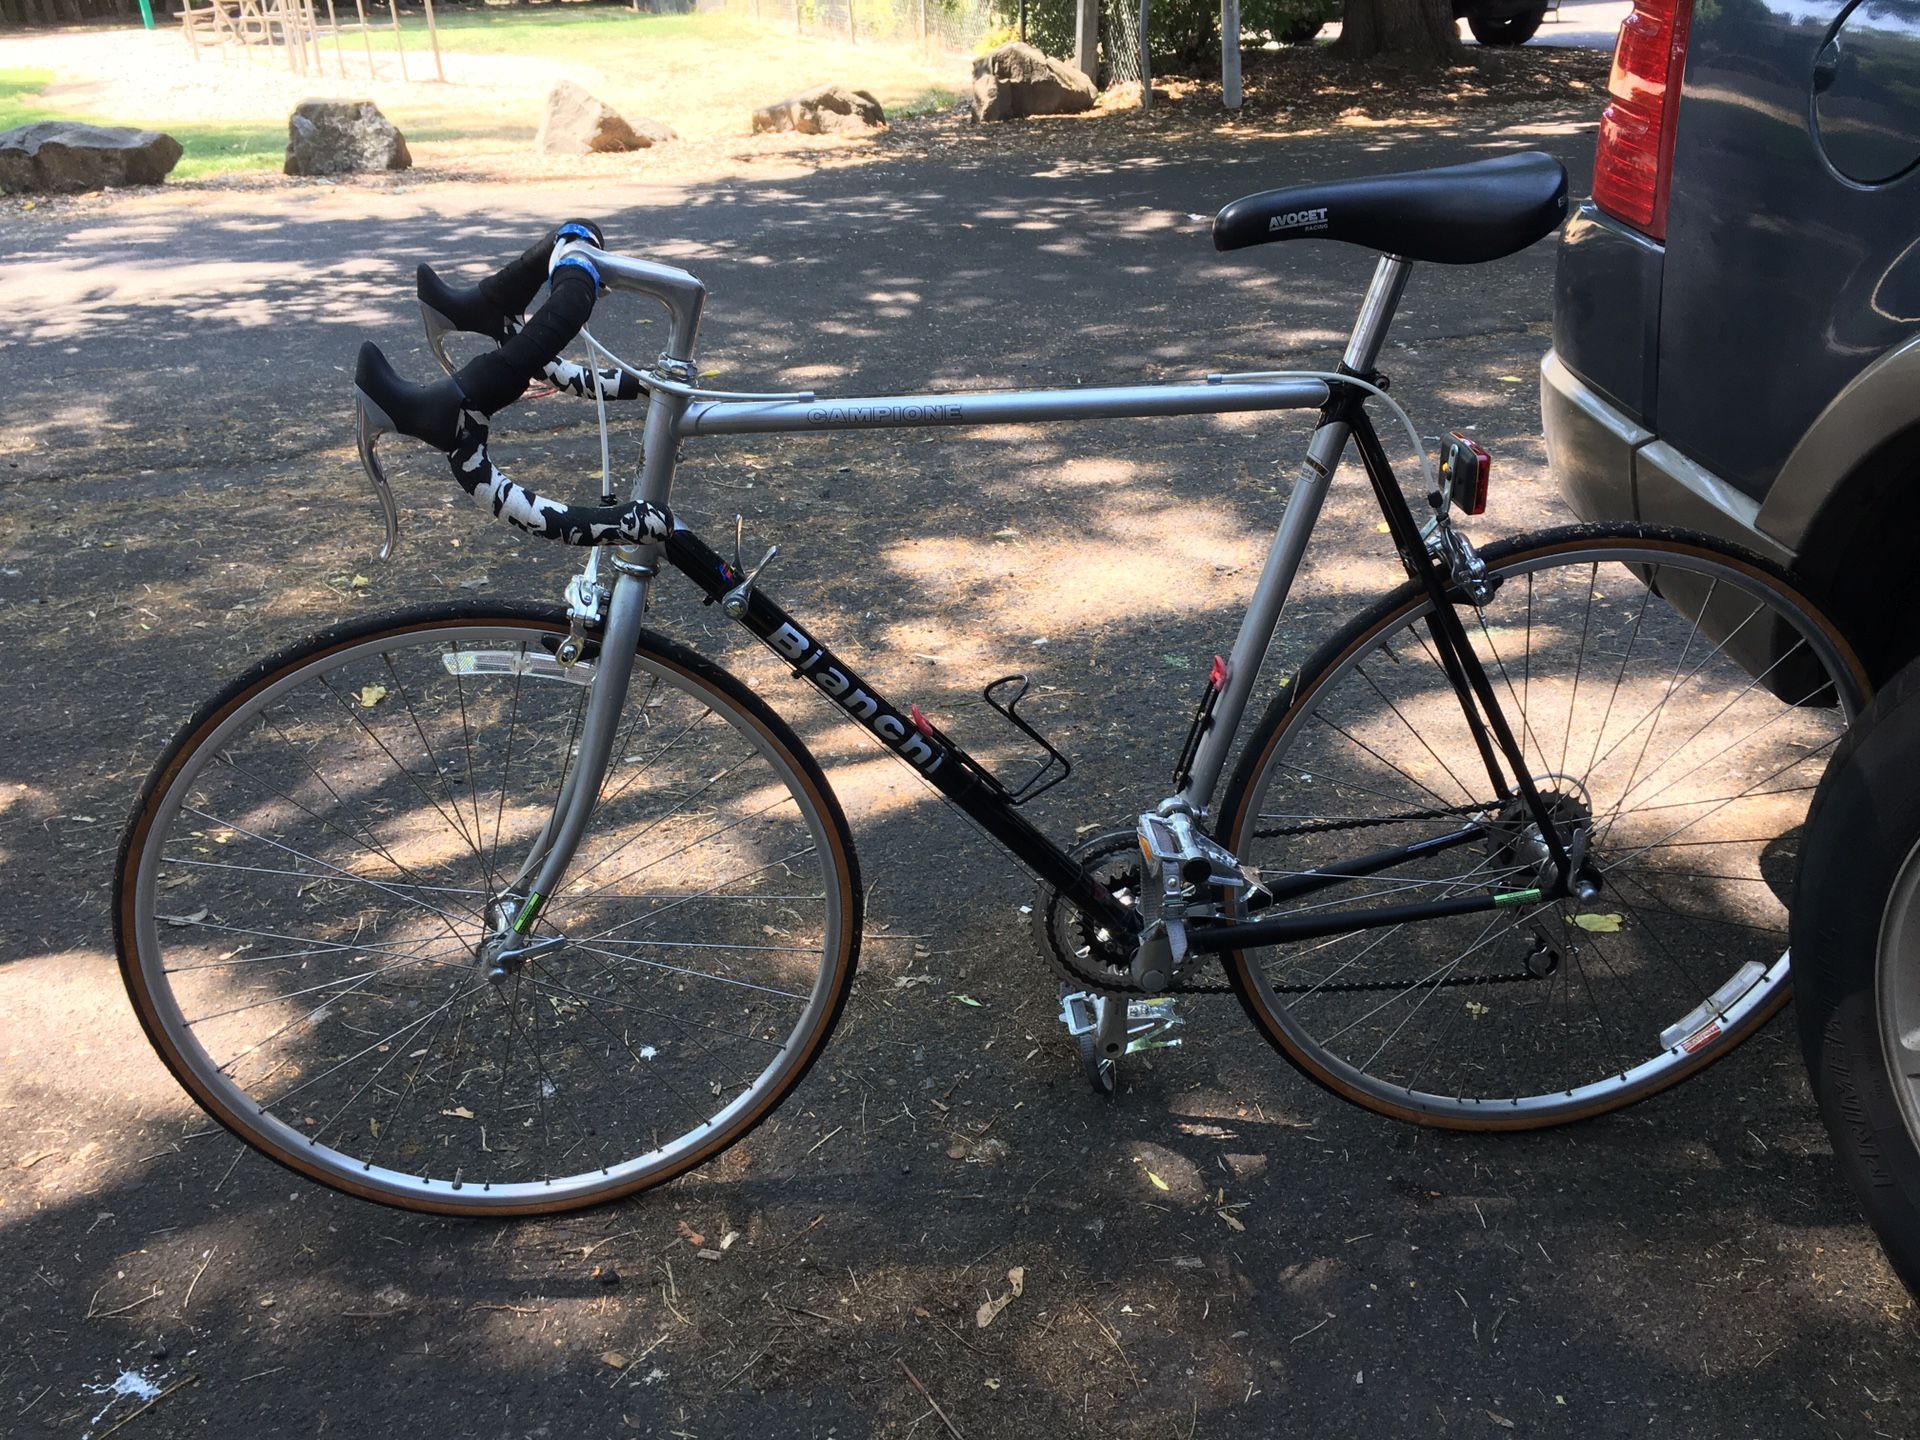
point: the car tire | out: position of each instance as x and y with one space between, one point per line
1506 29
1855 900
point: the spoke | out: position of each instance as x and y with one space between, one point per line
458 821
1681 830
387 1039
658 1014
321 947
340 985
653 915
1579 664
1362 745
682 970
1411 730
1633 638
450 921
412 779
683 849
1705 725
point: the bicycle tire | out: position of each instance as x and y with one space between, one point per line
1513 1027
267 750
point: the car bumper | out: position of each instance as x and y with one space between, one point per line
1611 468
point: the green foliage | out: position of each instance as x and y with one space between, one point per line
1187 31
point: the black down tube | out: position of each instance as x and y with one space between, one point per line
912 739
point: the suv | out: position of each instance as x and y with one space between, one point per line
1736 329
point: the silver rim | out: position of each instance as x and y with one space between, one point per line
1692 777
312 887
1897 989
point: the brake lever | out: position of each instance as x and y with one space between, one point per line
438 327
370 422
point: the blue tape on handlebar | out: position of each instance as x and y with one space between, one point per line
576 232
584 264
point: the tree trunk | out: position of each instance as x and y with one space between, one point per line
1418 31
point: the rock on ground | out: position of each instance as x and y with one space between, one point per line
1017 80
576 123
56 155
824 110
343 137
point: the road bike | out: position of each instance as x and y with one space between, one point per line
493 909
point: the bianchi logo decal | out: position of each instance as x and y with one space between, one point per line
1299 220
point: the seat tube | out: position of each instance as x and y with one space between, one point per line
1290 541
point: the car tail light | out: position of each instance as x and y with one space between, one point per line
1633 162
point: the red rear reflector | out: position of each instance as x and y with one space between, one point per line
1633 162
1218 678
1465 468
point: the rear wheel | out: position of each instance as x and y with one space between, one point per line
1506 29
312 870
1683 773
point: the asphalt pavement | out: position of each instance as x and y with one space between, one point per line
179 495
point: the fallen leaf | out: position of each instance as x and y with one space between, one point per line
1158 1183
1232 1223
968 1000
1500 1420
371 695
990 1309
1598 924
459 1112
905 980
360 582
1476 1009
183 920
613 1358
726 1240
992 1384
687 1233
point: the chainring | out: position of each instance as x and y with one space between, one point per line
1082 953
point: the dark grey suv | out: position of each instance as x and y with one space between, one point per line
1736 337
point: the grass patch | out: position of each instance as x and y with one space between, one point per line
204 149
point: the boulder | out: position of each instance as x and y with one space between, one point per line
55 155
1017 80
343 137
578 124
824 110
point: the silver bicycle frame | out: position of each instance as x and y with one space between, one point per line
680 410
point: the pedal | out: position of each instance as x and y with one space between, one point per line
1187 876
1150 1021
1079 1013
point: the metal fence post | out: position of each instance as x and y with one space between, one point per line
1086 39
1230 54
1146 59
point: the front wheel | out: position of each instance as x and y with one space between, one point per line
312 870
1676 702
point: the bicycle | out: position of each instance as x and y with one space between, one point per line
496 909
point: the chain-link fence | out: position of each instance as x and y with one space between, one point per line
929 24
1121 50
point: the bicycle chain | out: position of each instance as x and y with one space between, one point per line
1107 984
1445 813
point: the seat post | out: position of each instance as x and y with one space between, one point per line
1376 314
